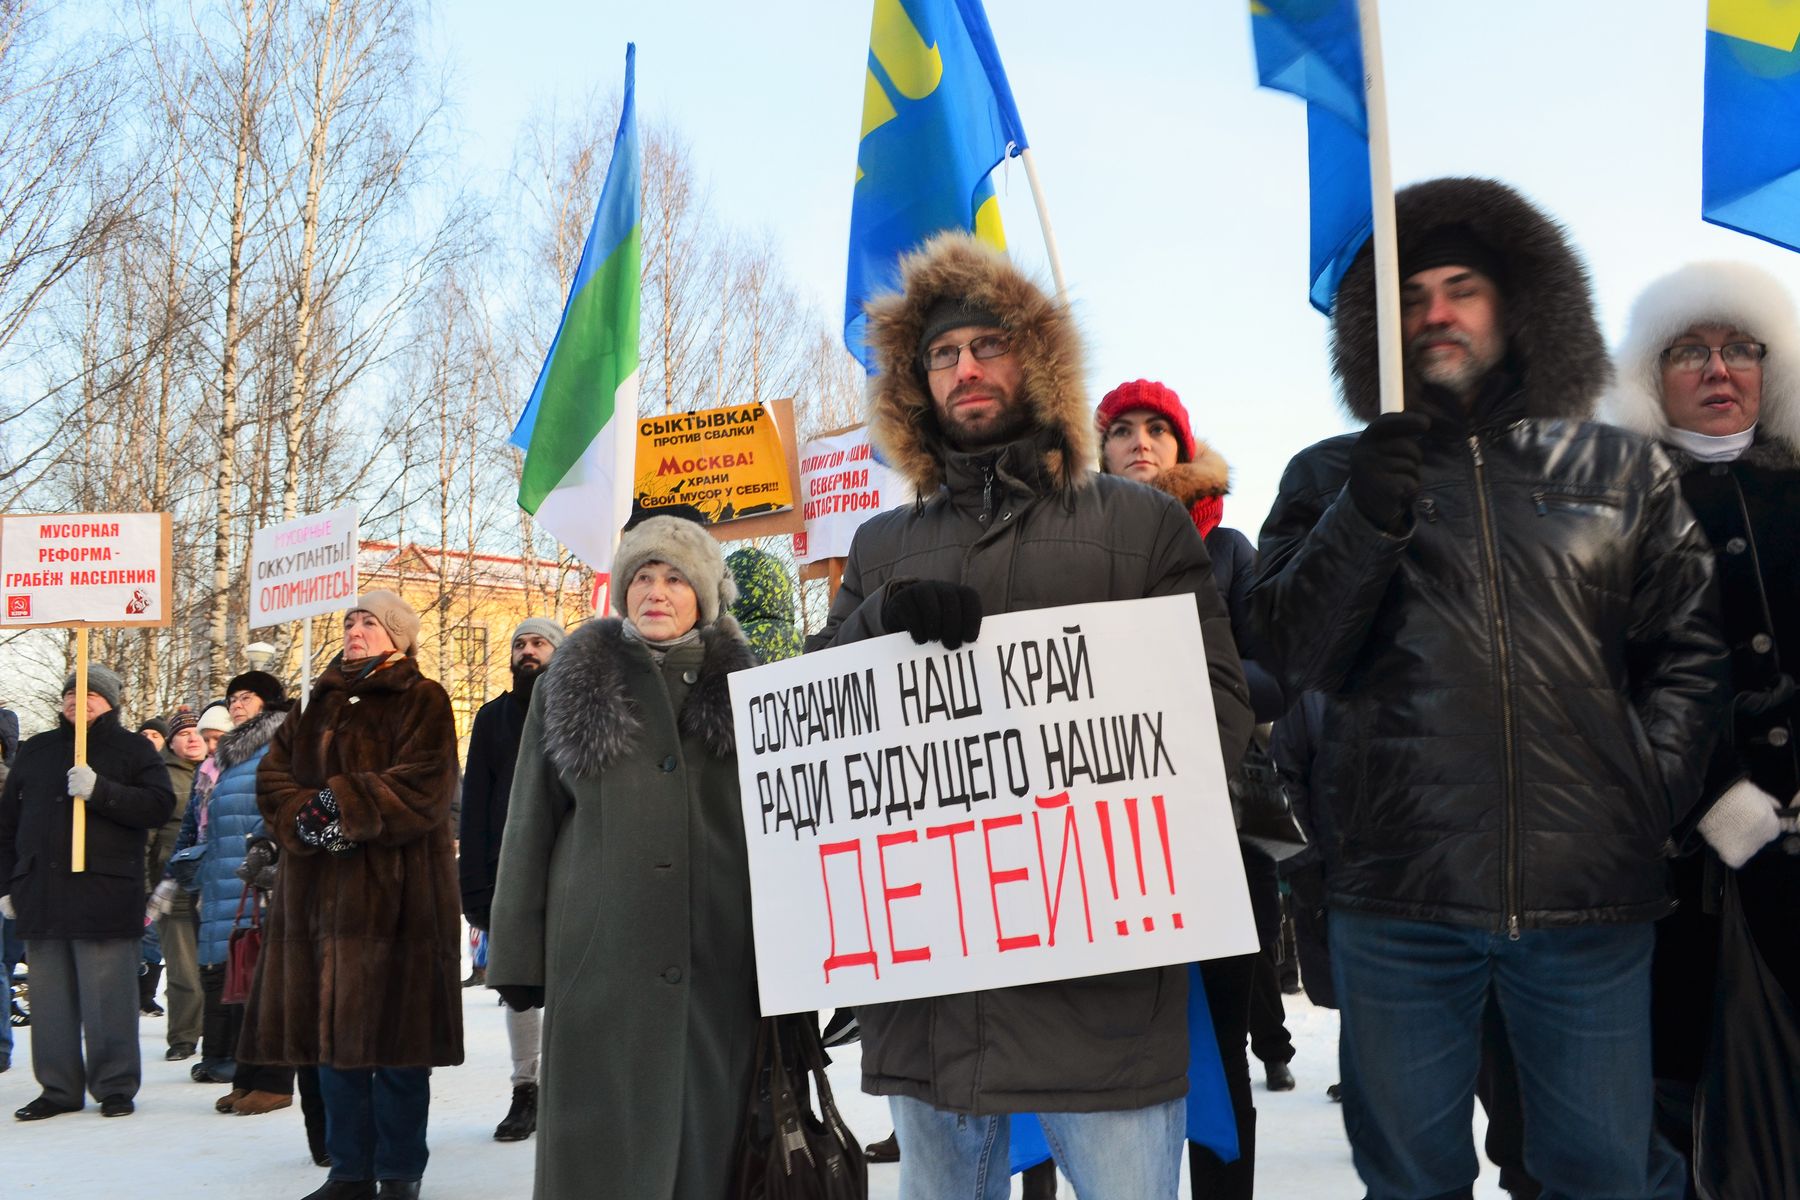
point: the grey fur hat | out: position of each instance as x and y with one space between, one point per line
102 681
1709 293
542 627
687 547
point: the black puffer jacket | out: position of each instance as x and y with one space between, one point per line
1521 685
131 797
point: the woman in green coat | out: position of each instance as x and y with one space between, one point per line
622 903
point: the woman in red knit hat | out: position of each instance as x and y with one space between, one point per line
1145 435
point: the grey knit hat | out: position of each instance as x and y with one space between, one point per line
542 627
683 545
102 681
396 616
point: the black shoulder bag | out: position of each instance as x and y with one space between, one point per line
788 1153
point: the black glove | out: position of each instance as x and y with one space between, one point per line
1384 466
521 996
476 917
934 611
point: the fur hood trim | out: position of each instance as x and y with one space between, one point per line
1549 313
241 744
591 719
901 419
1207 476
1709 293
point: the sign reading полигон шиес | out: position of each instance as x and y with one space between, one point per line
303 567
1046 802
85 569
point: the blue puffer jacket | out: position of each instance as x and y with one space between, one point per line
230 814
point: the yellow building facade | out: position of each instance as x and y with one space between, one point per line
469 605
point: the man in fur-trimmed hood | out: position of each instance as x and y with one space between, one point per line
980 403
1507 609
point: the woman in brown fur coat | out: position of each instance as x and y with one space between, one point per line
360 970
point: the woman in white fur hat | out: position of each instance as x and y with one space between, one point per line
1710 366
623 898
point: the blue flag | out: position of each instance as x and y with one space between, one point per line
1313 49
1210 1120
938 117
1750 156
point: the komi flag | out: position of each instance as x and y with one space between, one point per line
1313 49
938 117
1750 155
579 431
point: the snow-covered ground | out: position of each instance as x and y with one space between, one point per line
175 1145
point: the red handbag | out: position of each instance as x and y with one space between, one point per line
242 950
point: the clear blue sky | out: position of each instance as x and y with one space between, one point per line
1177 187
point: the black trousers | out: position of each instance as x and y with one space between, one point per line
255 1077
220 1023
1270 1040
1228 987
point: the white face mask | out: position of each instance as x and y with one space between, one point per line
1707 448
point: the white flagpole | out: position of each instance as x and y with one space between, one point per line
1043 212
1381 196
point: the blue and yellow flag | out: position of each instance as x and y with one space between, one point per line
938 117
1750 156
1313 49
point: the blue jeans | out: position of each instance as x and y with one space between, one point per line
375 1121
1576 1005
11 951
1131 1155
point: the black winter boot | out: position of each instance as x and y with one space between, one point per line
345 1189
520 1121
152 975
1040 1181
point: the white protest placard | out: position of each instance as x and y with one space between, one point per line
85 569
303 567
1047 802
841 486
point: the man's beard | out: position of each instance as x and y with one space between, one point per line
1012 423
1458 375
524 676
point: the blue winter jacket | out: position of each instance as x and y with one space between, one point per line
231 815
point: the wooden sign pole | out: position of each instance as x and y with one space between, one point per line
78 807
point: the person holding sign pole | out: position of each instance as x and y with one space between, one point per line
980 404
622 905
82 930
1146 436
360 967
1509 610
1710 367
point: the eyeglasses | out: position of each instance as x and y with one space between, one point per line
988 345
1738 356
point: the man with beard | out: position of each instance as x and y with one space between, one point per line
980 402
487 783
1507 608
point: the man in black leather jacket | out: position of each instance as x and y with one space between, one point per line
1509 611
